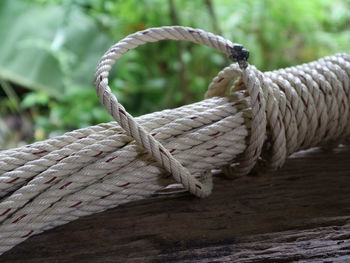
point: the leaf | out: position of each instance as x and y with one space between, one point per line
48 47
34 98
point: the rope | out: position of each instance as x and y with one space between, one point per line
266 117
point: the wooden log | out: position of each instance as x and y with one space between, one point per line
299 213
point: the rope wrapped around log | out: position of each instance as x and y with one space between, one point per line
265 118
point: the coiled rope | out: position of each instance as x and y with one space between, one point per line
266 117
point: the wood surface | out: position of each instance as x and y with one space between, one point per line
300 213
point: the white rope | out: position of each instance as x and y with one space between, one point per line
266 117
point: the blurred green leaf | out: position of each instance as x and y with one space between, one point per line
35 99
48 47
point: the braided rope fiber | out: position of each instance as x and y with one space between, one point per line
266 117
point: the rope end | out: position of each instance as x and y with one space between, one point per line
239 55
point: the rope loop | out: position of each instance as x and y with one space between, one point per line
202 187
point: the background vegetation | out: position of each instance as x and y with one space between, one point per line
50 48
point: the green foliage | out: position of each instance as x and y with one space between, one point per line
53 47
48 47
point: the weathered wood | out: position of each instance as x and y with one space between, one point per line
301 212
